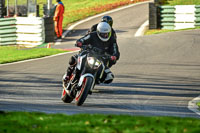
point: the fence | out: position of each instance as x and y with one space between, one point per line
179 17
27 31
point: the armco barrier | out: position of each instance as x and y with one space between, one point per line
28 31
179 17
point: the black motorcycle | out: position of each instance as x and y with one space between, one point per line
88 72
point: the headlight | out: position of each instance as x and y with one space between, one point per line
91 60
93 63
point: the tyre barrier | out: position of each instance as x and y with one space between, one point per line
27 31
180 16
174 17
30 31
8 31
49 29
2 9
2 12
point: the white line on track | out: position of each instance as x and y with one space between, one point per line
141 30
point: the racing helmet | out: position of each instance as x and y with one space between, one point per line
104 31
107 19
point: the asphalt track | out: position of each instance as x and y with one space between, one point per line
157 75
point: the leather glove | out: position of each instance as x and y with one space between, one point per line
113 58
79 44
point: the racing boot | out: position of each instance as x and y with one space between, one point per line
65 80
109 76
66 76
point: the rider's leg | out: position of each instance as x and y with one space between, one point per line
107 76
70 69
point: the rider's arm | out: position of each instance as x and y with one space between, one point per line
83 41
114 34
115 50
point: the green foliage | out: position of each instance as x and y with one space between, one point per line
20 122
163 2
179 2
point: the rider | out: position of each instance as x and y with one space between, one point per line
101 39
107 19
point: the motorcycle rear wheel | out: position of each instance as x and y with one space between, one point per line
83 92
65 97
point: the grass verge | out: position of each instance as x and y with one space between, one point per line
159 31
21 122
12 53
181 2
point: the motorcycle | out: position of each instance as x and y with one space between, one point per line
89 71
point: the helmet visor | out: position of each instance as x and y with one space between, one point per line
104 35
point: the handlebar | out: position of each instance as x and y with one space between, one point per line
86 47
97 51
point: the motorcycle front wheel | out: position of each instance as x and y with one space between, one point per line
83 92
65 97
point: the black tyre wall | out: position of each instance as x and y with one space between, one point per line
49 29
2 8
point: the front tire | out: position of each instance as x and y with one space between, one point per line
83 92
65 97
